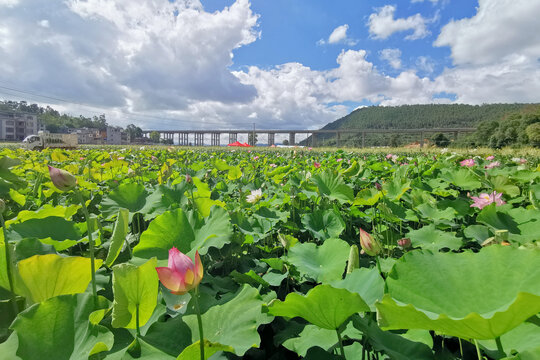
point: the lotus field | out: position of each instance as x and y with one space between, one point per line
170 253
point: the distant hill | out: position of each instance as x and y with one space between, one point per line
419 116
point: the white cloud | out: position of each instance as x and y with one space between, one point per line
382 24
500 28
432 1
8 3
393 56
425 64
152 54
339 35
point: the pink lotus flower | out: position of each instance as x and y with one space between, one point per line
317 165
255 158
490 157
369 244
389 156
62 179
339 160
467 162
484 200
272 165
181 275
492 165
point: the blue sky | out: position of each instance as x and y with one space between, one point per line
181 64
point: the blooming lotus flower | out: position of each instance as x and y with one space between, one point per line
490 157
181 275
467 162
62 179
389 156
484 200
492 165
255 196
369 244
272 165
317 165
339 160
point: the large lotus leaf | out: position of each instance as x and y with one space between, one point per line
367 283
171 336
395 189
187 231
430 238
313 335
324 224
135 289
463 178
368 197
436 215
118 237
397 347
260 223
193 351
51 230
332 185
58 329
323 263
9 180
44 212
470 295
131 196
47 276
324 306
234 323
522 224
525 339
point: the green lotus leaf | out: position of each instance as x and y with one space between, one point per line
431 238
368 197
121 229
395 189
333 187
51 230
47 276
367 283
58 329
525 339
463 178
234 323
324 224
187 231
194 351
322 263
522 224
395 346
469 295
324 306
171 336
131 196
135 289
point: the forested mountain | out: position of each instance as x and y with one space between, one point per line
423 116
417 117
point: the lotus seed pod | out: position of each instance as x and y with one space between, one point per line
501 235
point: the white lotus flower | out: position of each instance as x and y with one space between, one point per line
255 196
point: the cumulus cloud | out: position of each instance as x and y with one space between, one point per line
425 64
393 56
500 28
339 36
142 54
382 24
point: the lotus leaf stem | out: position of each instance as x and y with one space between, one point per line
340 343
478 353
137 320
8 267
199 320
91 246
499 345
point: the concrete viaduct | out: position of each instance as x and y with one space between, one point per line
198 136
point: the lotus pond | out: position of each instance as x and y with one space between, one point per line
141 253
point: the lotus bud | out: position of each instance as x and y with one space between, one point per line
378 186
404 243
2 206
189 180
369 244
62 179
354 259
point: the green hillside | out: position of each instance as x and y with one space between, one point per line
415 117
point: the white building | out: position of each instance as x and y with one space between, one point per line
16 126
117 136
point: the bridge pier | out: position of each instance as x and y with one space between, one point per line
292 138
233 137
271 139
199 139
314 139
215 140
